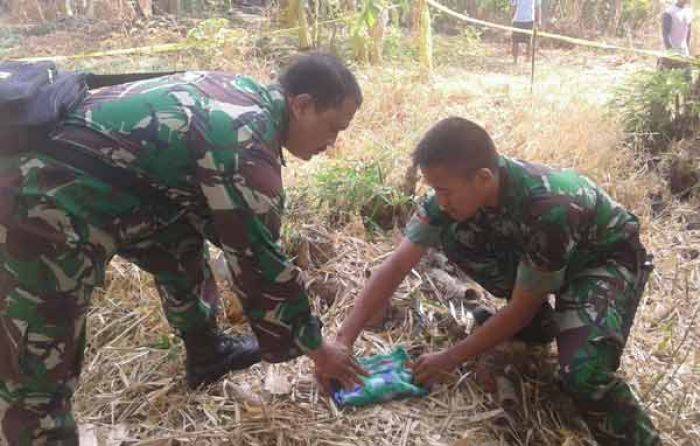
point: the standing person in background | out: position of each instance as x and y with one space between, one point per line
526 13
677 23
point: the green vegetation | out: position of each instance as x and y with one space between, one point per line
338 190
658 107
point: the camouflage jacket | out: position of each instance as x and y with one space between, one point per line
214 140
549 223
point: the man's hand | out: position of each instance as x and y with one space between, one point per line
345 342
528 296
432 368
334 361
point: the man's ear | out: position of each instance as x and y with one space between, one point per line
300 104
484 175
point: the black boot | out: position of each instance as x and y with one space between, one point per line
210 355
542 329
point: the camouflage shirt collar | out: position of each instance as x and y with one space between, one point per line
278 110
503 184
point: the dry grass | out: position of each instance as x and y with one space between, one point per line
132 381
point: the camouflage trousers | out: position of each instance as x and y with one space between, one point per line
594 313
58 231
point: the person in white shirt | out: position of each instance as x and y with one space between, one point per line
677 23
526 13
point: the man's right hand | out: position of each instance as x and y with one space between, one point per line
345 342
334 361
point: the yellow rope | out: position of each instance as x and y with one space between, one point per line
162 48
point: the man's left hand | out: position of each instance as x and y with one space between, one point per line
432 368
334 361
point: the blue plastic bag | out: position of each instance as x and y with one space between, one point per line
388 379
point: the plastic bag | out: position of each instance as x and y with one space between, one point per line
388 379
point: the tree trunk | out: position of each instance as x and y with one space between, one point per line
415 19
695 37
617 16
39 10
289 12
302 23
145 7
89 7
472 7
14 7
579 13
167 6
315 26
425 37
377 37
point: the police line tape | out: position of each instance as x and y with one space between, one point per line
562 38
161 48
152 49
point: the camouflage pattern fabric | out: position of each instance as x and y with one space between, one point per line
558 228
596 311
212 140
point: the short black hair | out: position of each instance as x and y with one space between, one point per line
324 77
456 143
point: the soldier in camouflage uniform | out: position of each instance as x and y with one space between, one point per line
524 231
212 143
